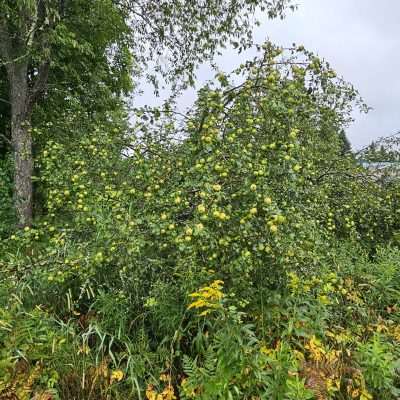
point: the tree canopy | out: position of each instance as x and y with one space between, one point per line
42 39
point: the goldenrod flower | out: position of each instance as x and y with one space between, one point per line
117 376
208 297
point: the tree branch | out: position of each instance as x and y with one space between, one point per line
32 30
6 139
4 101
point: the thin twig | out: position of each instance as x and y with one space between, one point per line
4 101
6 139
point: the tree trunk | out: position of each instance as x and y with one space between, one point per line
21 138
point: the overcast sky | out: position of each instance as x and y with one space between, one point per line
360 39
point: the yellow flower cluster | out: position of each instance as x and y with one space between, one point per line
208 297
117 376
167 394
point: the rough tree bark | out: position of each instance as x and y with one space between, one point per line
15 54
21 139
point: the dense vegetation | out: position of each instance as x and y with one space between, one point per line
238 251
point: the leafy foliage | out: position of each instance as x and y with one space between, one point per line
237 252
6 210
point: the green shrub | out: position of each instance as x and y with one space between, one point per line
379 367
252 189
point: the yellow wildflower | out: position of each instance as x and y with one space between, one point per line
117 376
208 297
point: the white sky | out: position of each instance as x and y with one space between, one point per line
360 39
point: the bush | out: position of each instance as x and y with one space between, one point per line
250 205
